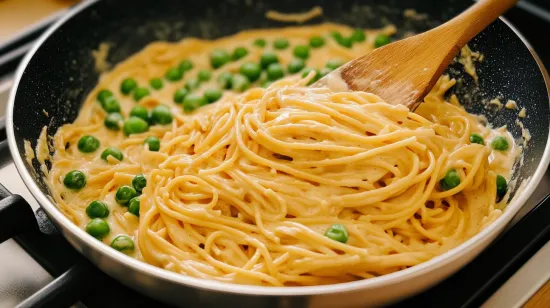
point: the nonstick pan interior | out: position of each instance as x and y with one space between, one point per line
61 71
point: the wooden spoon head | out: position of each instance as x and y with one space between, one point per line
400 73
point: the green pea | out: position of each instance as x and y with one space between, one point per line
128 85
75 180
193 101
110 105
296 65
315 77
113 152
185 65
133 206
381 40
124 194
156 83
266 84
345 42
259 43
153 143
204 75
301 51
502 186
358 35
239 53
281 43
342 41
218 58
212 95
113 121
268 58
275 71
173 74
334 63
103 95
336 35
97 209
240 83
180 94
338 233
88 144
226 80
135 125
500 144
316 42
140 93
450 180
122 243
139 182
476 138
98 228
140 112
251 70
192 84
161 114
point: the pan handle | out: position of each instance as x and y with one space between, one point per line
16 215
17 219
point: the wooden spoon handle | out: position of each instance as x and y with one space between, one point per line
472 21
401 73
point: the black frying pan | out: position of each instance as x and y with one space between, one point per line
57 75
61 73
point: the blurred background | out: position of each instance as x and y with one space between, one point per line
17 15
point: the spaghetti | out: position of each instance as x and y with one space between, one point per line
246 190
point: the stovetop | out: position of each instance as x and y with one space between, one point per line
30 262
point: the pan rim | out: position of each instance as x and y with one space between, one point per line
416 271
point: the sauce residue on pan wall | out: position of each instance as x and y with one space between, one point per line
100 58
295 17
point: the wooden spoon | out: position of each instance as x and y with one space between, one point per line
404 72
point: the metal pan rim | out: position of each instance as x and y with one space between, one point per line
85 242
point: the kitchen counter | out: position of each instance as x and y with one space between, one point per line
17 15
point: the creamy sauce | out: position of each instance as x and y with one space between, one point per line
522 113
169 236
511 104
43 150
496 103
467 59
332 81
414 15
100 56
525 134
29 152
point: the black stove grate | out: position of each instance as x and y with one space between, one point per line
78 280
